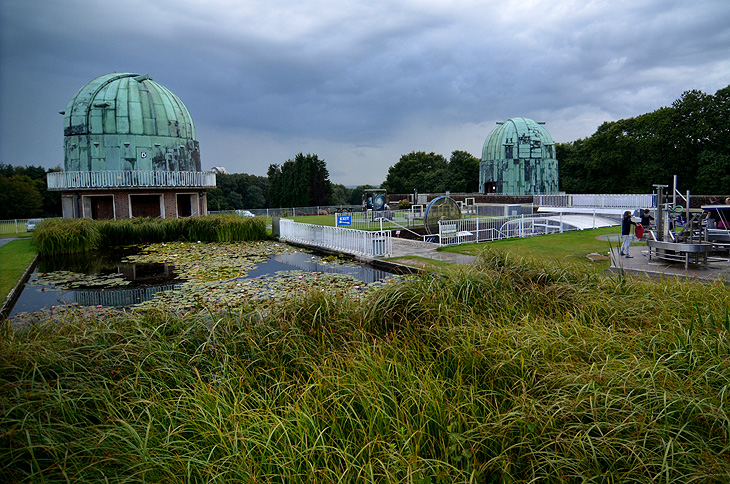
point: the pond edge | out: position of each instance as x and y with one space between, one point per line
14 294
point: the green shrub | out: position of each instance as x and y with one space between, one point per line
404 204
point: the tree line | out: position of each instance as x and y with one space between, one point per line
24 193
690 138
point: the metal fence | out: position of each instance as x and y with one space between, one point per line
17 226
296 211
596 200
349 241
463 231
381 220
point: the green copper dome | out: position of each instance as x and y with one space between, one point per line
128 121
518 158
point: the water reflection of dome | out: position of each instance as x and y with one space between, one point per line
117 297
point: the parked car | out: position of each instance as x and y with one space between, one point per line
244 213
30 226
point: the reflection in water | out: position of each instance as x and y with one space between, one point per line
309 263
145 280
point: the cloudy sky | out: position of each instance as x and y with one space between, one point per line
357 82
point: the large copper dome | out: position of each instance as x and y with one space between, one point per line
126 121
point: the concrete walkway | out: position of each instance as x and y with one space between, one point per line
5 240
427 250
640 264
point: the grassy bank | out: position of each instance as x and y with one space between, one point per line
507 371
15 257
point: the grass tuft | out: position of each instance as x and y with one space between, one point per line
505 371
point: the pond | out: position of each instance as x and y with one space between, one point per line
188 276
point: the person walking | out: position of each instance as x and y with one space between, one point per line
626 224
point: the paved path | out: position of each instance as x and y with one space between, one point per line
640 263
5 240
427 250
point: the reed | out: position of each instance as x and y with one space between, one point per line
67 236
473 377
225 228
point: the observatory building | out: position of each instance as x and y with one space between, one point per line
129 151
518 158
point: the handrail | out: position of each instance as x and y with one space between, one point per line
64 180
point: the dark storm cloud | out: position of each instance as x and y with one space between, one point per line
358 82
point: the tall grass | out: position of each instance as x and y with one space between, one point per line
67 236
506 371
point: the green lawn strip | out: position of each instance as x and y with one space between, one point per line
329 220
15 256
568 247
5 232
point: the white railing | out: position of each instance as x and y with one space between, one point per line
17 226
630 200
454 232
350 241
64 180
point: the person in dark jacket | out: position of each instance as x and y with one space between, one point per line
646 218
626 224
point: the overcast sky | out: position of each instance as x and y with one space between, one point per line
357 82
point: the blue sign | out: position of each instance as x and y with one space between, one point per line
344 220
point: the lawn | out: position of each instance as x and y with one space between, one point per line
568 247
15 256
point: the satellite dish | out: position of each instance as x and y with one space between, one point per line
440 208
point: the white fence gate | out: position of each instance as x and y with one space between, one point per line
349 241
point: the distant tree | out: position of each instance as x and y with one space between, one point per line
301 182
462 173
19 197
238 191
425 172
690 139
355 197
50 201
713 175
340 194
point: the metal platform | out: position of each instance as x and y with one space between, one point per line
640 264
689 253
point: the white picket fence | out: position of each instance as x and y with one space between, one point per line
349 241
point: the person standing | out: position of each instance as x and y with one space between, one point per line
646 218
626 224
